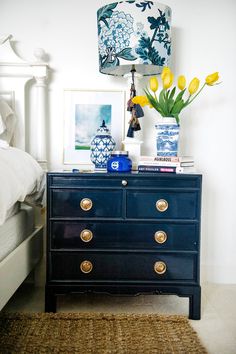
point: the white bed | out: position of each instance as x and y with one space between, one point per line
21 235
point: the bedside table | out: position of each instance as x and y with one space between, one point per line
126 233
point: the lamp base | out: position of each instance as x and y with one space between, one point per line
133 146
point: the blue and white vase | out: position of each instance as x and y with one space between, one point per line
101 147
167 137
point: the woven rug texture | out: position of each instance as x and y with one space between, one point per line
96 333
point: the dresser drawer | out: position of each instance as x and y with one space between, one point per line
114 180
118 235
85 203
122 266
91 181
149 204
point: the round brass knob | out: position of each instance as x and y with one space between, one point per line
86 235
162 205
160 236
124 182
86 204
160 267
86 267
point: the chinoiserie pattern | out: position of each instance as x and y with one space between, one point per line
167 138
101 147
133 32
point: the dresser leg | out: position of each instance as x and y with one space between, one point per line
195 304
50 300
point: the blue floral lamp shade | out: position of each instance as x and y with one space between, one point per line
134 33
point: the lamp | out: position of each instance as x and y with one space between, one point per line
133 41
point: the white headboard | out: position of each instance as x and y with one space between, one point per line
31 112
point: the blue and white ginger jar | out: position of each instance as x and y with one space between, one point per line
101 147
167 139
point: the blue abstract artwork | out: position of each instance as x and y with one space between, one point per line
88 118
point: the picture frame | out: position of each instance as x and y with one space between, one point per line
84 111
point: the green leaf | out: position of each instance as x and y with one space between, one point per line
180 95
154 102
170 104
169 100
172 93
126 54
145 42
162 102
155 22
106 11
178 106
176 116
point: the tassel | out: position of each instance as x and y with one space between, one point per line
130 132
137 126
135 110
138 111
130 105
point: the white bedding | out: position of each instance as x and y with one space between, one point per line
15 230
13 210
20 176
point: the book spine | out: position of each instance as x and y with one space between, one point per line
146 168
160 158
166 159
160 163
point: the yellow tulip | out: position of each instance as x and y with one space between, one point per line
168 79
142 100
165 71
211 79
181 82
153 83
193 86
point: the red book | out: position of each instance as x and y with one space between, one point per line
146 168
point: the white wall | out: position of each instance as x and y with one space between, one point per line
203 42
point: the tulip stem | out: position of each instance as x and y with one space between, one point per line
191 100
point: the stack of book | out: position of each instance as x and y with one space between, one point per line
169 164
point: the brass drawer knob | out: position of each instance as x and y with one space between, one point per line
160 267
86 204
86 235
124 182
160 236
86 267
162 205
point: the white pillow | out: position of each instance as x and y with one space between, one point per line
7 122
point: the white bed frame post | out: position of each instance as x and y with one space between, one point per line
40 72
14 74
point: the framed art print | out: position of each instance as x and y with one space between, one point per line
84 112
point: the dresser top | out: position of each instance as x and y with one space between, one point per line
124 174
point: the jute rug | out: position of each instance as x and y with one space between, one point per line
100 333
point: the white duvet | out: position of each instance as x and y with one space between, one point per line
20 176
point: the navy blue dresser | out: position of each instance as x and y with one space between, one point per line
126 233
